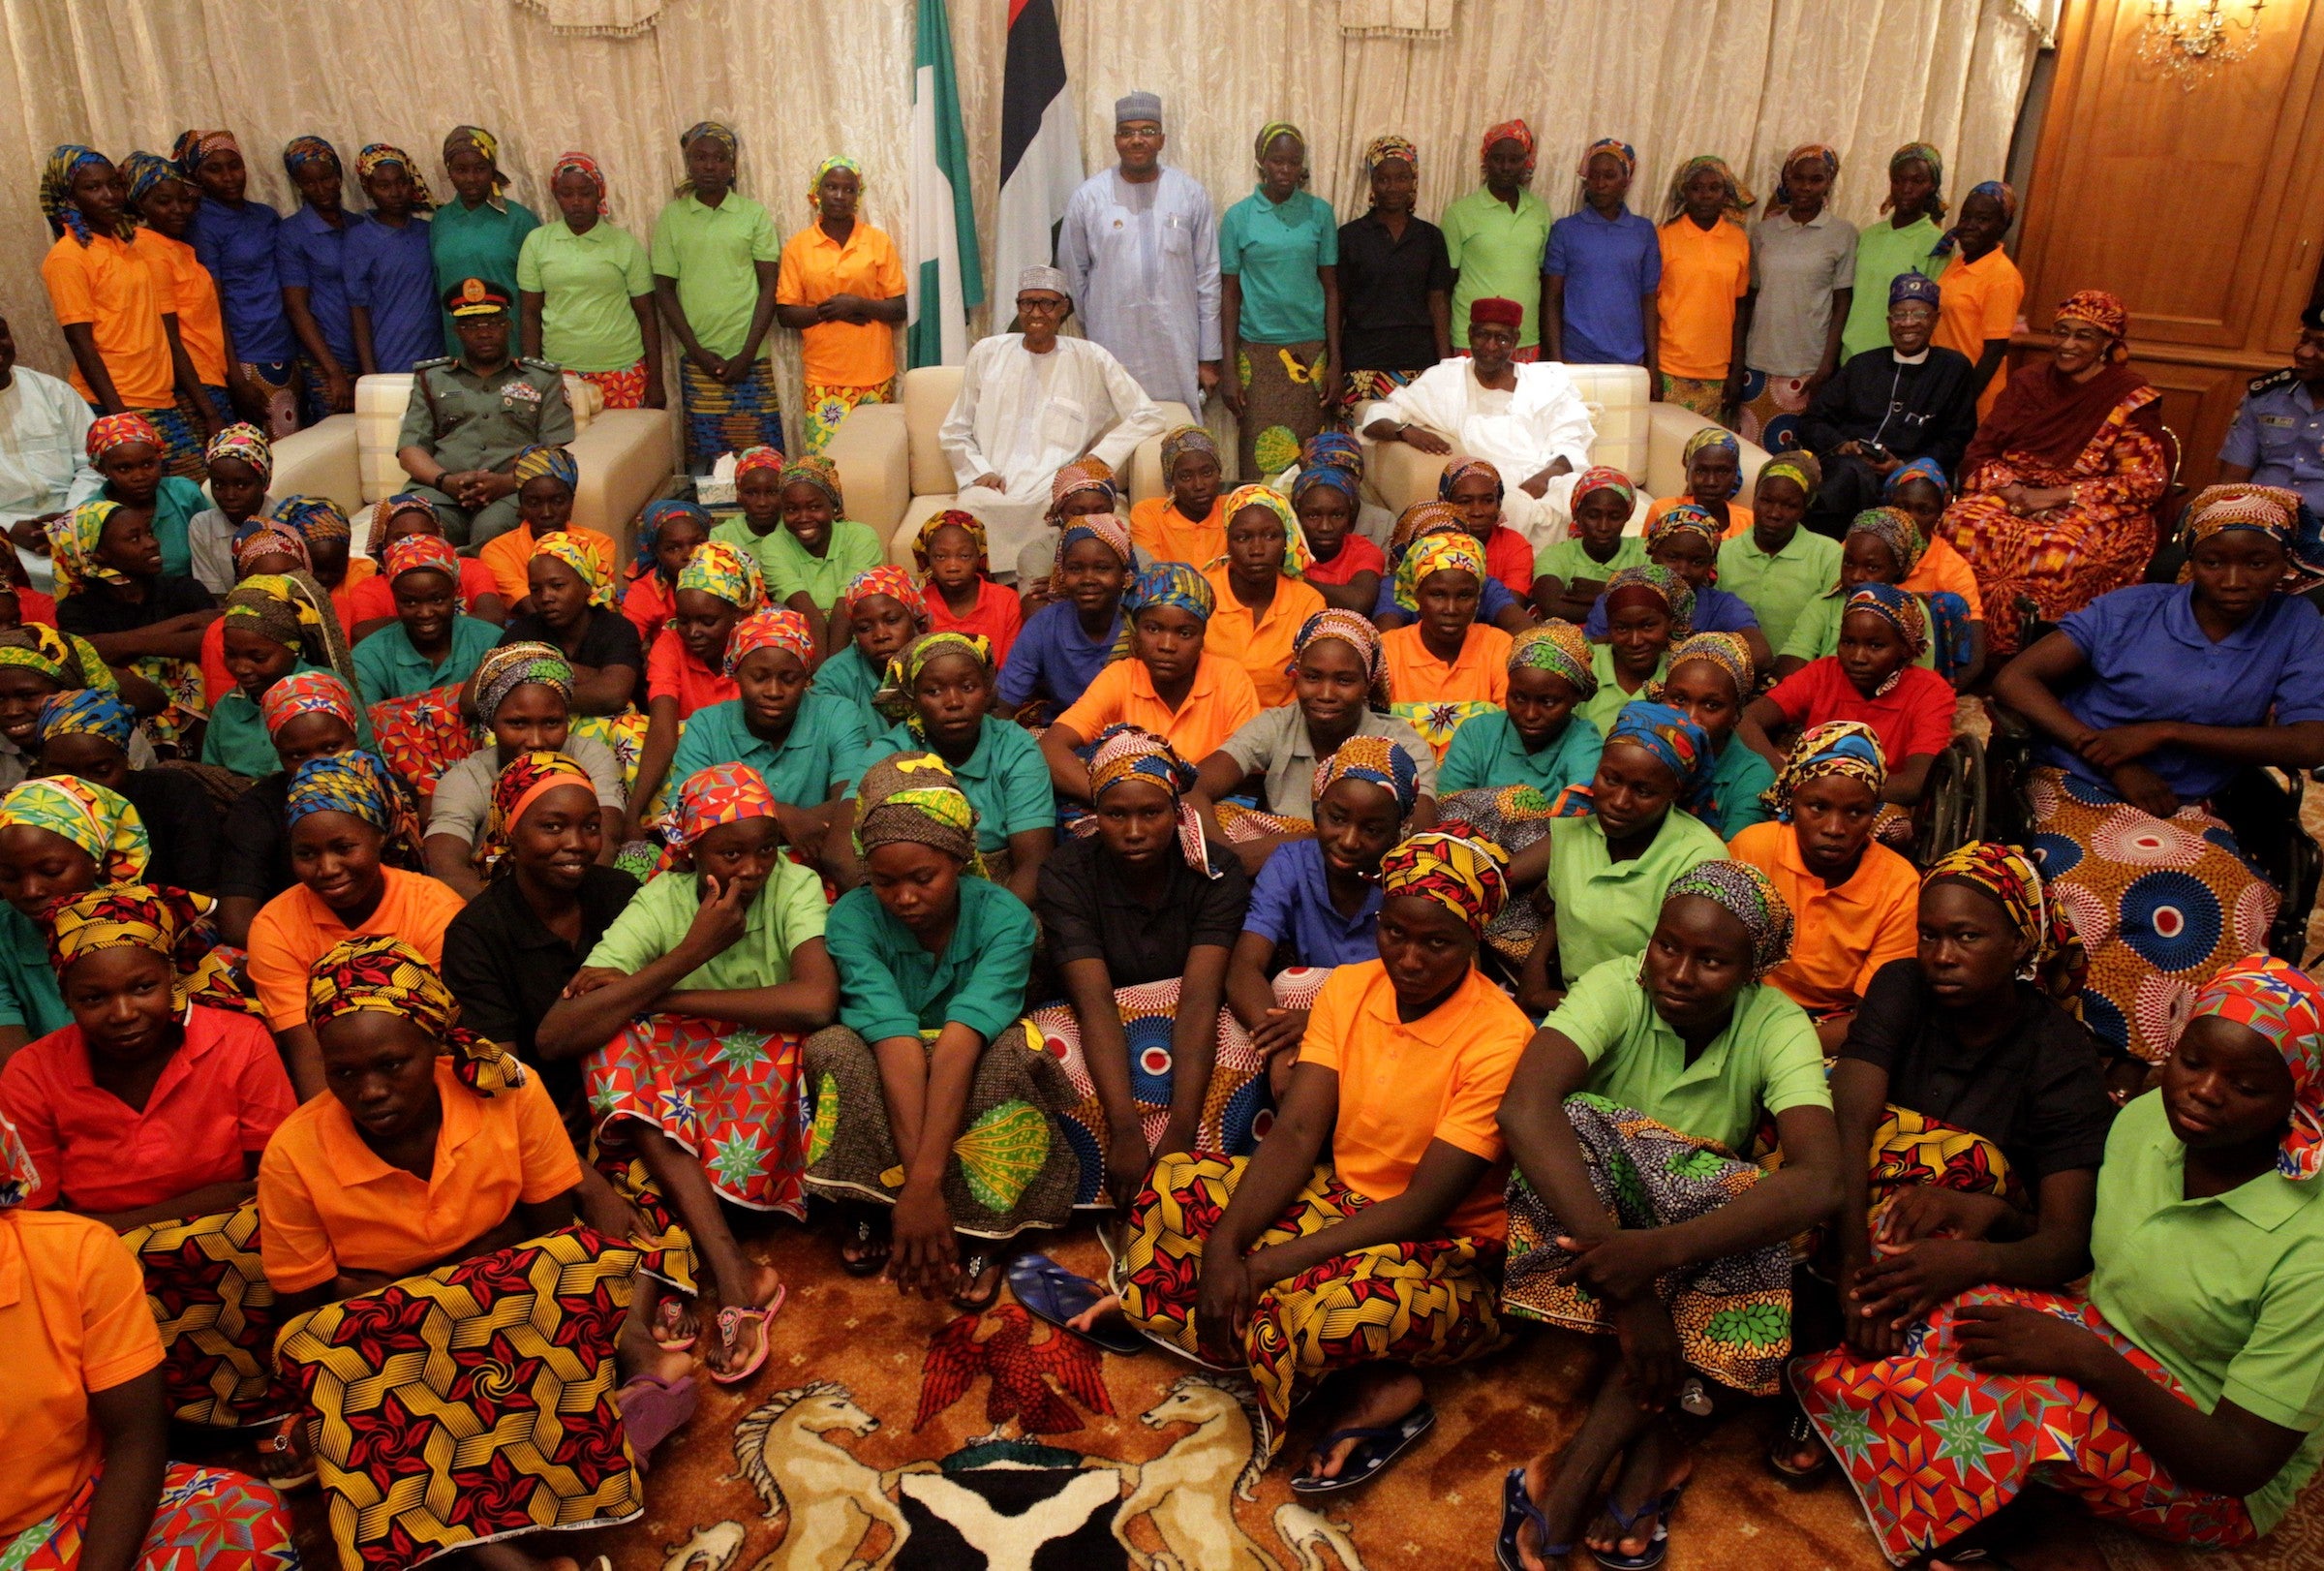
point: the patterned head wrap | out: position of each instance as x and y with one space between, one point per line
312 518
1926 154
2283 1005
1605 478
2009 876
73 541
893 699
726 572
2269 510
1091 526
1096 474
94 820
421 553
169 922
1838 747
88 712
1916 286
300 151
523 781
1376 760
192 147
273 605
808 469
486 143
1460 468
2000 191
1726 650
1348 482
375 973
56 195
1622 150
1558 647
1675 593
891 581
1465 874
771 627
246 442
1453 551
1899 532
960 518
1751 897
1714 439
814 186
1429 518
1127 752
1268 131
2102 310
378 155
1738 199
558 463
1332 450
1173 584
1919 469
913 797
1899 609
1354 630
1799 468
1380 149
307 692
1516 131
511 667
1297 558
751 460
560 546
142 172
375 539
1826 156
356 783
36 646
717 132
1686 519
649 530
273 539
107 432
722 793
586 167
1677 742
1176 444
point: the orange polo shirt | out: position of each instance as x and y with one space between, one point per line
1704 273
1405 1084
195 296
111 287
1220 700
1942 568
73 1319
1479 675
507 556
1980 301
1167 534
1841 932
673 672
1261 643
331 1204
813 269
295 930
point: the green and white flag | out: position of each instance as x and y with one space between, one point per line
945 281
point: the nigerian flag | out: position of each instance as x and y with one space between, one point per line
944 281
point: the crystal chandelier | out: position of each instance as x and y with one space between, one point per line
2191 38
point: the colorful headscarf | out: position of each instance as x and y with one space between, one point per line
1516 131
1714 439
960 518
1685 518
1910 285
95 820
1605 478
312 518
1130 752
376 973
1297 558
486 143
1380 149
914 798
1465 873
808 469
511 667
73 541
771 627
421 553
1452 551
1332 450
1919 469
563 545
2283 1005
273 539
1615 145
88 712
1173 584
1838 747
523 781
1894 530
555 462
1429 517
57 206
2055 955
1377 761
307 692
1176 444
2269 510
1460 468
1675 592
2000 191
1900 608
814 185
1091 526
192 147
2102 310
752 460
586 167
274 607
726 572
379 155
300 151
1751 898
36 646
649 528
894 697
246 442
1354 630
357 783
715 131
1828 157
1348 482
375 539
1728 651
890 580
1557 647
110 431
1739 197
1268 131
1926 154
721 794
1096 474
141 172
172 923
1677 742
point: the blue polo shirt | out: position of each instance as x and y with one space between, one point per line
1054 658
237 246
2278 436
817 757
390 274
1274 249
1715 611
312 256
2149 660
1291 907
1609 265
1488 752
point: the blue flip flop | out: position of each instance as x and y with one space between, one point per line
1051 1292
1658 1549
1517 1510
1376 1447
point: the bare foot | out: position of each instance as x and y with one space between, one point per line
1111 1303
724 1357
1383 1397
676 1320
1648 1472
1529 1537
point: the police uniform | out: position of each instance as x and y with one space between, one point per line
467 419
2278 435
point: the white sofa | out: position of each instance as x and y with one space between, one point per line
895 477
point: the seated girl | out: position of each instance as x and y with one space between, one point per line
1083 489
1138 918
523 695
570 608
432 644
546 478
1261 601
128 453
956 585
276 627
1711 675
685 668
2178 1398
377 1274
111 590
1339 684
1633 1214
1570 574
1713 461
86 1414
548 898
1920 492
1973 1114
1170 685
353 847
1880 547
1851 900
59 838
882 612
1496 606
329 539
1536 740
1447 666
933 1055
371 605
1776 565
1685 538
1869 678
89 733
2149 702
309 716
1185 526
267 550
148 1113
691 1012
1345 568
37 662
1473 487
1647 610
1373 1204
1063 645
939 692
794 527
667 535
241 461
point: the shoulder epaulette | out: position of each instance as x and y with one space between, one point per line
2271 380
530 363
437 363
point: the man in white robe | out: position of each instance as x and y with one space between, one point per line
1030 403
1526 420
43 456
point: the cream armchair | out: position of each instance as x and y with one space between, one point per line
895 477
1640 438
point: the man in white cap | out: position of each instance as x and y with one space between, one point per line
1030 403
1139 247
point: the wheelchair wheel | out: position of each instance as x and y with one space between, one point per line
1953 806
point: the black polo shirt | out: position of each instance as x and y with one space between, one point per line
609 639
96 611
1088 912
1384 285
181 822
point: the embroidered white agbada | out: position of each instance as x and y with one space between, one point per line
1520 433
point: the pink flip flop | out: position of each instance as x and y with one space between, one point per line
731 1320
652 1409
664 1328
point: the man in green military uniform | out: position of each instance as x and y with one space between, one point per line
469 416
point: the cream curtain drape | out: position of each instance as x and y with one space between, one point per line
804 78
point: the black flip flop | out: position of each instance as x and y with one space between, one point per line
862 1231
1376 1447
1052 1293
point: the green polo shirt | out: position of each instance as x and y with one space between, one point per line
387 667
1602 707
1816 633
2222 1293
1778 588
1273 251
1568 559
816 757
790 568
1884 251
1737 778
29 995
712 253
890 986
1498 252
1767 1056
787 912
586 283
236 738
1004 779
1486 751
1604 908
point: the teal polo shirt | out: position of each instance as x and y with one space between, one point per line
816 757
387 667
1274 248
1488 752
1498 252
852 679
29 995
1737 777
891 986
1005 779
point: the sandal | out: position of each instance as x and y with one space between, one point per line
652 1410
285 1442
976 1263
668 1315
1376 1447
1517 1510
870 1243
1052 1293
730 1324
1658 1548
1797 1435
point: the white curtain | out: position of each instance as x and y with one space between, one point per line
802 79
